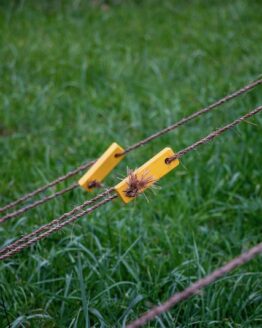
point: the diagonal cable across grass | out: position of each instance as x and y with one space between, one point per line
54 227
196 287
48 185
37 203
128 150
59 223
62 218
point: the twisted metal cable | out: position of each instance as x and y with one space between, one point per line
135 146
54 228
195 287
37 203
213 135
55 221
48 185
26 241
192 116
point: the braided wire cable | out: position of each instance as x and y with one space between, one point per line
184 120
37 203
60 223
194 115
55 221
48 185
213 135
58 226
197 286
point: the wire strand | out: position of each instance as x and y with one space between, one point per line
213 135
49 185
195 288
192 116
37 203
26 240
54 228
129 149
55 221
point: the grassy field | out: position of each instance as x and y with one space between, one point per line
75 77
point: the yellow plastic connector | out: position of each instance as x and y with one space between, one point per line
102 167
147 174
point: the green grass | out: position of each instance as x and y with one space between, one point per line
76 77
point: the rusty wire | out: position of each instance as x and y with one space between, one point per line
59 223
37 203
56 221
192 116
55 227
213 135
48 185
129 149
197 286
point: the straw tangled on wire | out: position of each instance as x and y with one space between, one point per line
141 143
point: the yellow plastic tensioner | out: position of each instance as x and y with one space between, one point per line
102 167
152 170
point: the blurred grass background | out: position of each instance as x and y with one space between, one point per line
76 76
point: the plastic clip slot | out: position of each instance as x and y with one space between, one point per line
146 175
101 168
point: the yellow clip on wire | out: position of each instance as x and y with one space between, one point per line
146 175
102 167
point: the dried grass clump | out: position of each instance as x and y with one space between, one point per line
94 184
136 184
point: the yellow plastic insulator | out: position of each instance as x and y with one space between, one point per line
147 174
102 167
